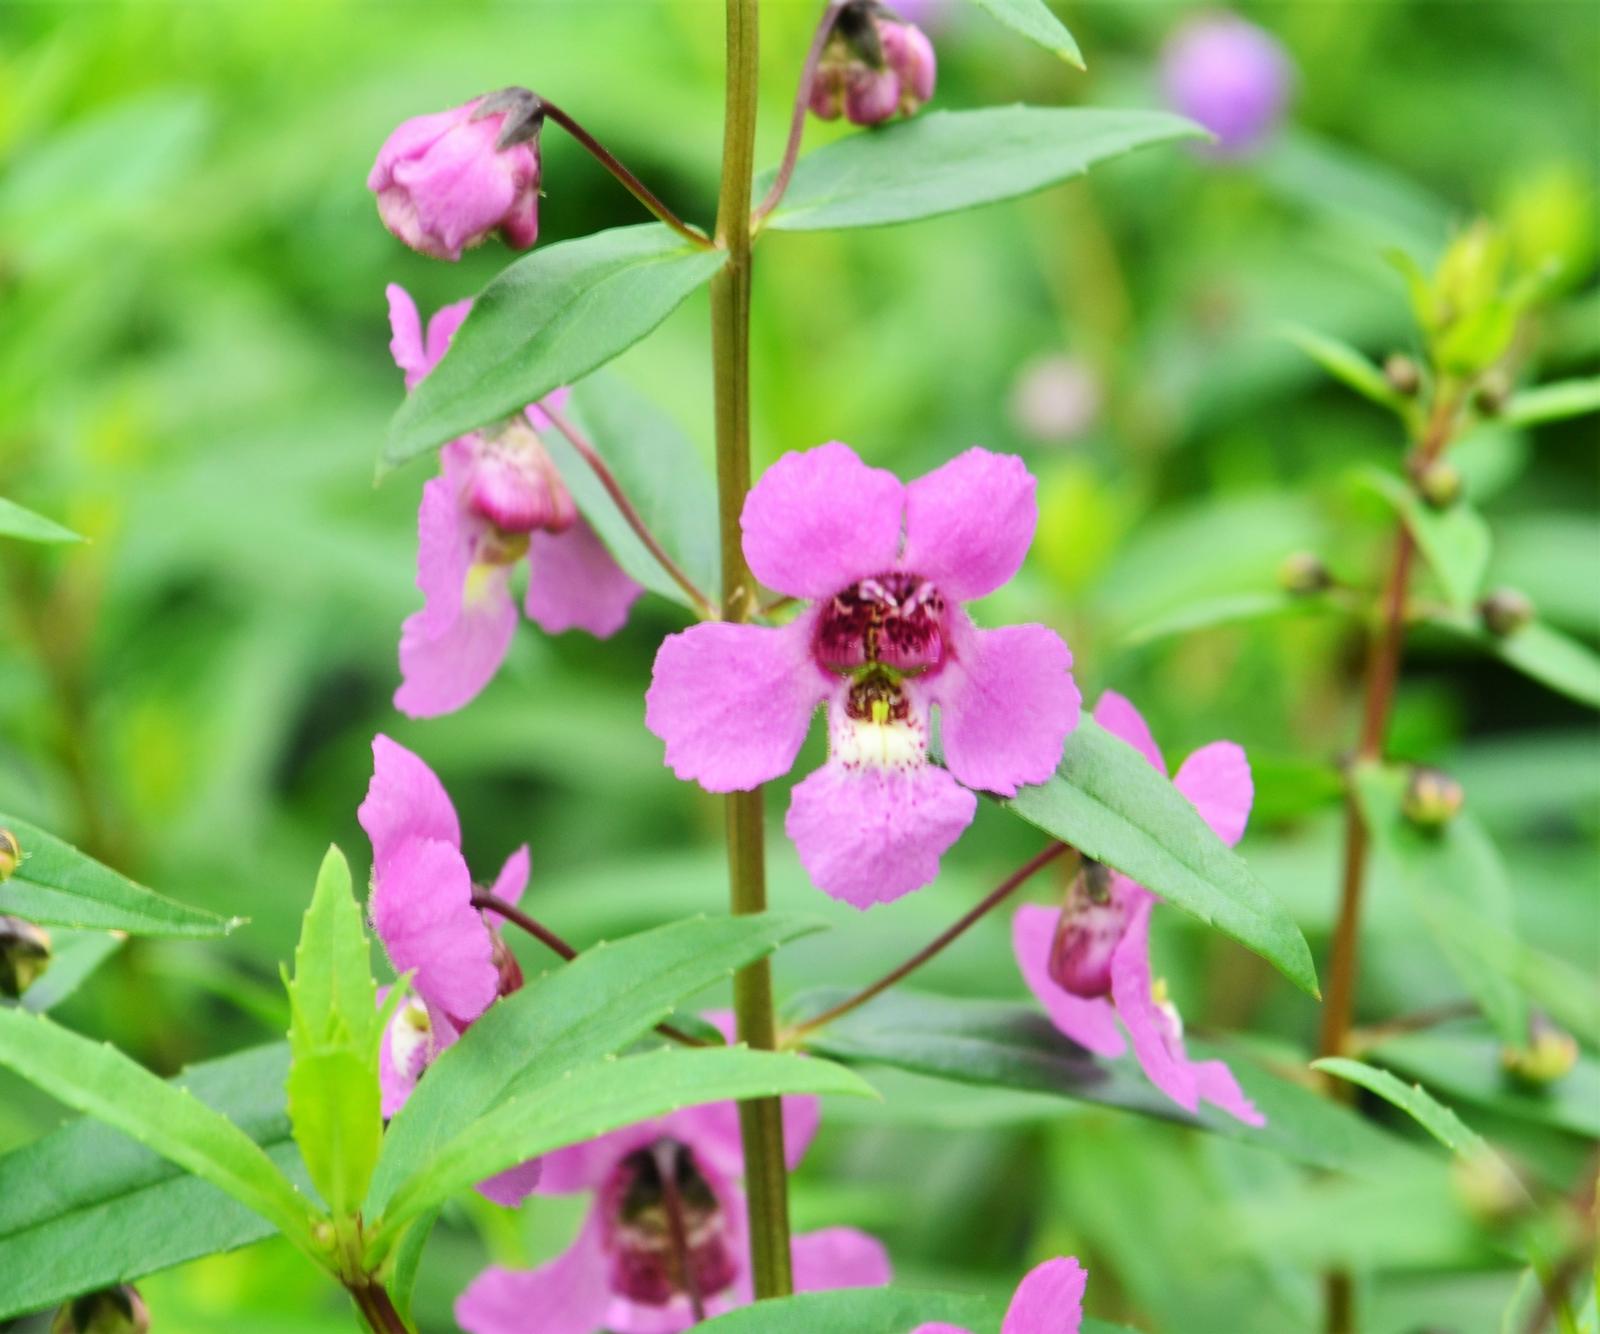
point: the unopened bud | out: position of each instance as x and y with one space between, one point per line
24 955
1440 484
117 1310
10 855
1487 1187
506 965
1505 611
1402 373
1549 1055
1432 798
874 66
1489 399
1304 572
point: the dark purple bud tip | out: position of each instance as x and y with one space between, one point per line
117 1310
24 955
1432 798
1303 572
1440 484
1403 374
10 855
524 115
1505 611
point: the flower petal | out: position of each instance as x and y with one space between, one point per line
441 329
404 800
1008 702
733 702
870 835
1155 1041
403 1061
513 877
1118 716
422 911
1049 1300
585 1165
820 520
1218 1087
1092 1024
461 187
970 522
511 1187
573 583
569 1295
406 327
839 1257
1216 779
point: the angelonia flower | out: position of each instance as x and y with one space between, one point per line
633 1266
1089 963
421 909
884 567
874 66
444 182
1049 1300
1230 76
499 501
118 1310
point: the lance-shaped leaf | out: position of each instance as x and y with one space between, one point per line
548 320
1454 539
24 524
595 1099
952 160
1111 804
86 1207
334 1032
598 1003
1347 365
859 1311
1537 650
1553 402
1456 881
1035 21
1234 609
1428 1112
100 1081
56 885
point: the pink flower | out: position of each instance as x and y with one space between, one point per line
625 1271
1089 963
445 181
421 908
874 66
1049 1300
1230 76
499 500
885 566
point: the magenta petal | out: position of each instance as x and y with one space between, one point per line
422 911
1155 1040
442 328
1008 702
1218 1087
1121 719
461 187
839 1257
940 1328
819 521
406 327
733 702
404 800
569 1295
513 877
868 835
1216 778
585 1165
511 1187
441 673
446 540
1092 1024
969 523
573 583
404 1053
1049 1300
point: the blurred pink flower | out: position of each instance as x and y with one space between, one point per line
622 1272
1230 76
1056 398
874 66
1089 963
498 500
1049 1300
421 908
885 566
445 181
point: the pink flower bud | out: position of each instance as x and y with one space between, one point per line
909 53
445 182
873 67
515 485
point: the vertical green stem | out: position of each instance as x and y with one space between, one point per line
761 1121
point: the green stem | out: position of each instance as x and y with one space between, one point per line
761 1120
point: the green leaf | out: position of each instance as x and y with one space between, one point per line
1428 1112
598 1003
1553 402
333 994
1001 1044
859 1311
1347 365
1229 609
1455 539
85 1206
1456 881
952 160
595 1099
99 1080
661 471
57 885
548 320
1537 650
74 955
30 527
1111 804
1035 21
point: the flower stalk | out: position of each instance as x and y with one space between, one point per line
797 119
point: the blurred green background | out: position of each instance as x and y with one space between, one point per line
194 372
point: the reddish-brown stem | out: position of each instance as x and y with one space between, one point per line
992 899
625 507
376 1307
631 183
797 120
485 902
